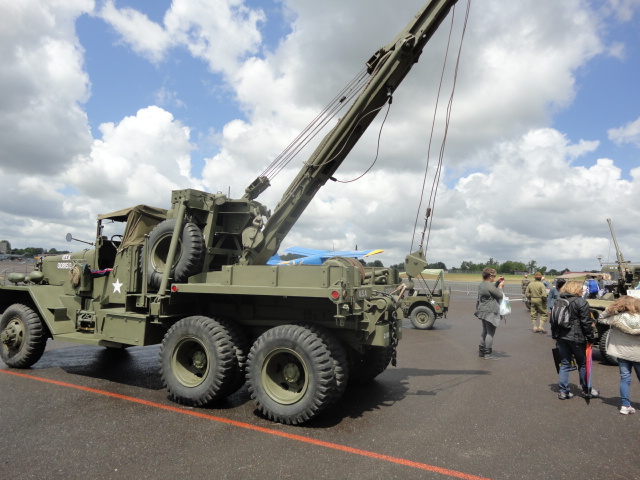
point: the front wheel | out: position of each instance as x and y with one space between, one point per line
197 361
22 336
290 374
423 318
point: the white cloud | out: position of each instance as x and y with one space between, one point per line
219 32
141 159
629 133
512 188
143 35
42 81
625 9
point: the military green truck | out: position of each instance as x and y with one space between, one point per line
428 300
625 276
194 278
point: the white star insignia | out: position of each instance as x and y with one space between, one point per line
116 286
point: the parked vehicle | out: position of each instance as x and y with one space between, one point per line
428 300
194 278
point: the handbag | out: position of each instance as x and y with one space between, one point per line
556 360
505 306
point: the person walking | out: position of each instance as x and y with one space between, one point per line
554 293
572 341
525 283
623 342
488 311
536 293
592 287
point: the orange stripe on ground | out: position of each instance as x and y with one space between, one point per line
290 436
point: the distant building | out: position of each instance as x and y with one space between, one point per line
4 246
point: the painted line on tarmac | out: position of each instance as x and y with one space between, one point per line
247 426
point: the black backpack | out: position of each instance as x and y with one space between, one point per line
561 313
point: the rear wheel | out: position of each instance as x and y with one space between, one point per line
290 374
365 367
602 345
198 362
22 336
423 318
338 359
241 346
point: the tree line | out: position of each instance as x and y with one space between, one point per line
508 267
31 252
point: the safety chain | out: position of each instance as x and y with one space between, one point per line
393 330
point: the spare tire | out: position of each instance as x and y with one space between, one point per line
189 254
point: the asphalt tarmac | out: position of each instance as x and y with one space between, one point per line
88 413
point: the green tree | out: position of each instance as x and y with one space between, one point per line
467 265
510 266
492 263
375 263
439 265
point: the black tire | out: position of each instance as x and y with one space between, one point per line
290 374
363 368
423 318
22 336
602 345
189 254
241 345
197 361
338 359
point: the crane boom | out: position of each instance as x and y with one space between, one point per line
387 68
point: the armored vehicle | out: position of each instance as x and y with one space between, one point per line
194 278
428 300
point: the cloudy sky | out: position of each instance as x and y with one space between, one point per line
110 103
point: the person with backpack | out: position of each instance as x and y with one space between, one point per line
572 328
592 288
623 342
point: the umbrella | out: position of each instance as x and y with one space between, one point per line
589 364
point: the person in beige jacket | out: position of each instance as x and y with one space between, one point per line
623 342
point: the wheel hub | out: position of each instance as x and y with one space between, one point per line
199 360
284 376
291 373
12 335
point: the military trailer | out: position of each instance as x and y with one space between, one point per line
428 300
194 278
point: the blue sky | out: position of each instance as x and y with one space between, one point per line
603 94
110 103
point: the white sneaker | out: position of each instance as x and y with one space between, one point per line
627 410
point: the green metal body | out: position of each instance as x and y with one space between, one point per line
123 293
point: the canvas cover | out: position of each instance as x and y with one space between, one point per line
140 219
